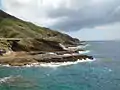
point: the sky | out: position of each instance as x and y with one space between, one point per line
0 4
83 19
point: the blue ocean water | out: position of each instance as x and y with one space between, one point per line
101 74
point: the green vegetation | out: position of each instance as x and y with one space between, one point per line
33 37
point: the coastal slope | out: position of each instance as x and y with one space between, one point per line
30 37
24 43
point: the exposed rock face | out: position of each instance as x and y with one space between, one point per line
31 37
26 43
41 58
62 58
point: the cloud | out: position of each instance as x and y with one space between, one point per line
104 32
65 14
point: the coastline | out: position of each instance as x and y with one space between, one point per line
48 59
69 55
52 64
36 44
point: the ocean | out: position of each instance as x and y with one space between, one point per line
101 74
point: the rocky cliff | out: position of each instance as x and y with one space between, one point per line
27 36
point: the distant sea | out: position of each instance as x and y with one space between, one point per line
101 74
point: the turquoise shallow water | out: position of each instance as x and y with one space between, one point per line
102 74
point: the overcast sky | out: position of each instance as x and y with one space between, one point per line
84 19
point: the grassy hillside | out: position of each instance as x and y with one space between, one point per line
12 27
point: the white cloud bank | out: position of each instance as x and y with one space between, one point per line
70 15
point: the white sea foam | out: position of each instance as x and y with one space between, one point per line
14 80
84 52
3 80
8 79
52 65
6 65
55 65
83 46
32 65
74 48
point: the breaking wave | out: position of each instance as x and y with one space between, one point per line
52 64
65 63
84 52
17 81
9 79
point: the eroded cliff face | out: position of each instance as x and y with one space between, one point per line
30 37
30 44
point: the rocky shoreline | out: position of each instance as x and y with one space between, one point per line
24 43
28 59
22 58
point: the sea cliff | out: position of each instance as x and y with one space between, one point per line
23 43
